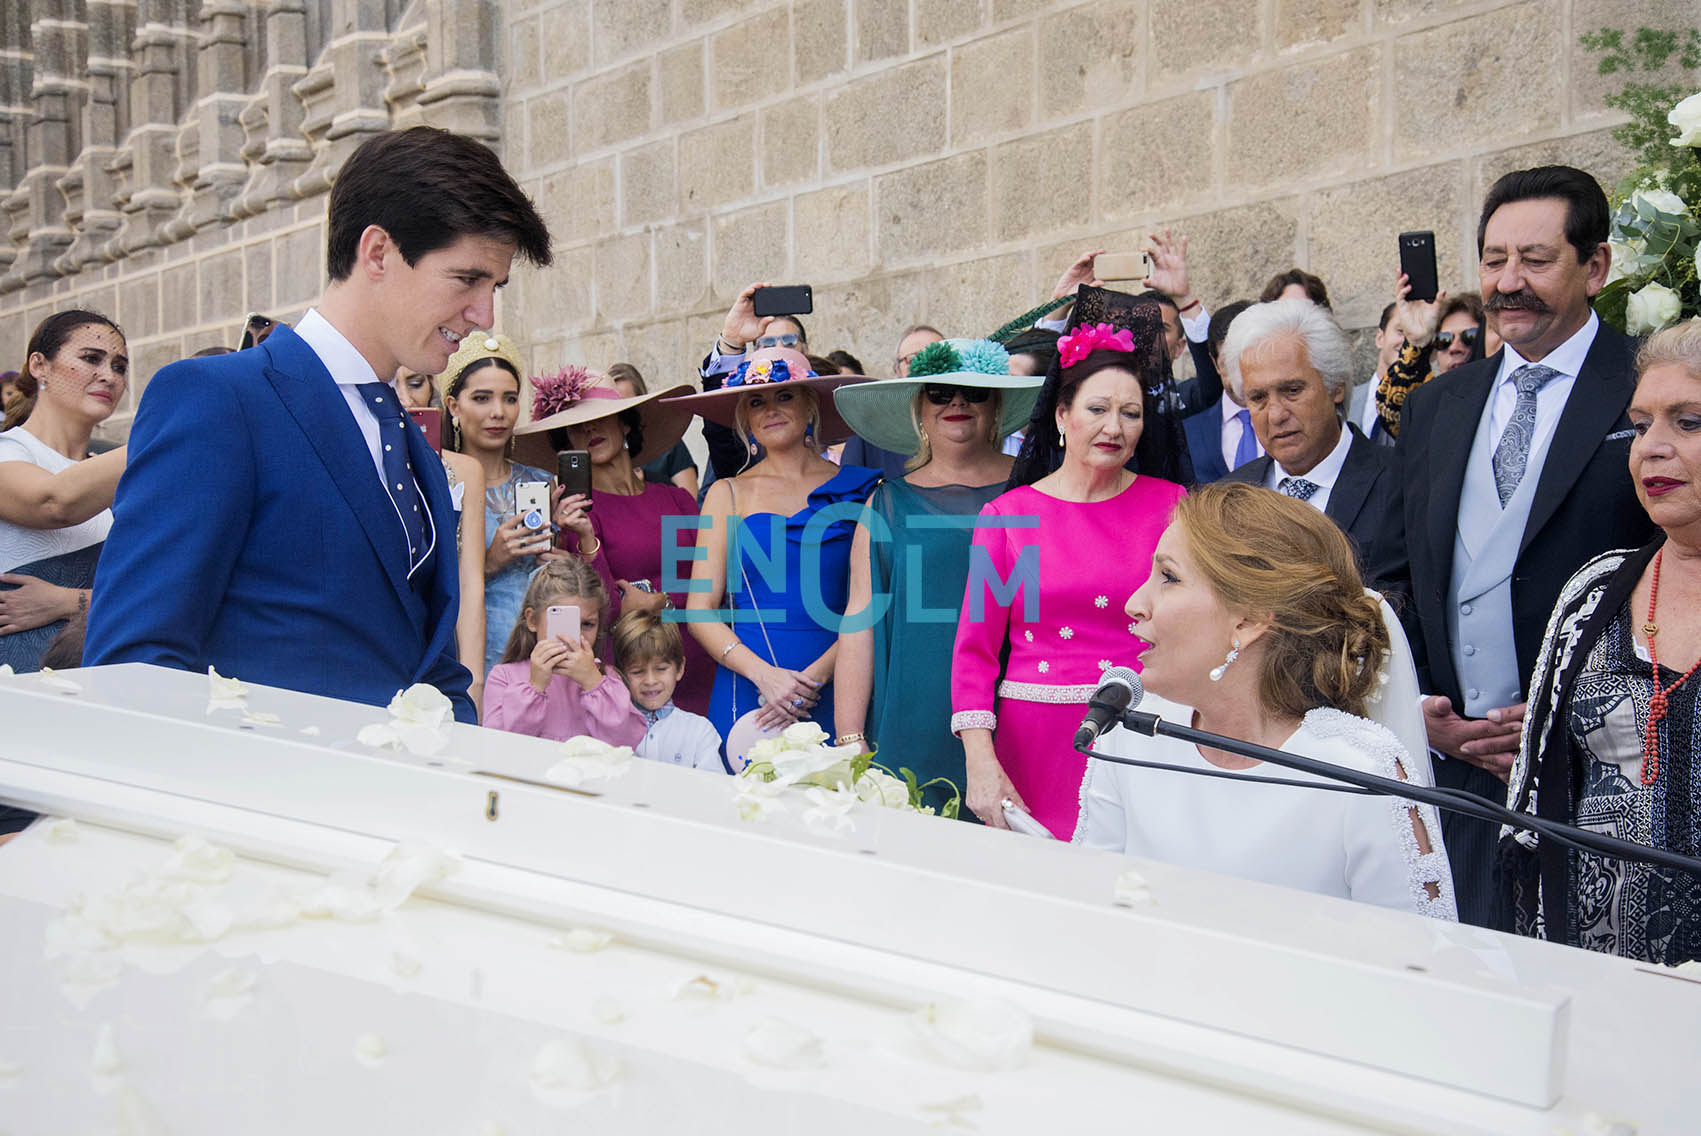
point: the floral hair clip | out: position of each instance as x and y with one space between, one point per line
552 394
759 371
1084 340
953 356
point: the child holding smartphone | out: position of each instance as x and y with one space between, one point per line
553 686
650 656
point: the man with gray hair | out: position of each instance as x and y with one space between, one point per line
1290 364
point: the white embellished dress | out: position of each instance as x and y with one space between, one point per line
1346 845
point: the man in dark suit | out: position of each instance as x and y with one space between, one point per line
280 518
1292 365
1514 473
1219 437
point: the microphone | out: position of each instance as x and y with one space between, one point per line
1119 688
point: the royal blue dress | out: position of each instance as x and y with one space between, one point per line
784 567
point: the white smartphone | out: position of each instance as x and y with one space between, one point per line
562 620
530 497
1121 266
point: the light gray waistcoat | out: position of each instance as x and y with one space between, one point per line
1485 551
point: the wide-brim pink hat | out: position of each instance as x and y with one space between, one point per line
575 395
772 367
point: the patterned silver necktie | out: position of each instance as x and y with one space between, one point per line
1512 452
1298 488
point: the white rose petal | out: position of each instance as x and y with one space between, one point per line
230 983
1664 200
59 682
803 734
952 1113
1686 116
1132 890
6 671
1594 1124
583 940
702 988
63 830
570 1067
407 867
422 705
310 731
586 759
106 1060
779 1044
370 1050
1651 308
608 1011
883 789
260 718
81 977
199 862
405 965
755 800
987 1036
225 693
829 810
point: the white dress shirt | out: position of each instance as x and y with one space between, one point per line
1370 419
1323 475
349 369
1232 429
1567 359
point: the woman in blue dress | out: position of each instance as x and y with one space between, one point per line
894 668
769 586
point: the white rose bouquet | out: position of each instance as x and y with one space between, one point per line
1656 222
832 779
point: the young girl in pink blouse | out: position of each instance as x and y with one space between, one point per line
551 688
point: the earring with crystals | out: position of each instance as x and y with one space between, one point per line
1234 653
1060 442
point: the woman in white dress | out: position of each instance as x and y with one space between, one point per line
1259 628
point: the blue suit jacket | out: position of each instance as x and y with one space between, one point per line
1205 443
252 533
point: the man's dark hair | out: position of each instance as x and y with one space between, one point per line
1313 285
847 363
802 332
1220 320
1587 215
428 188
1387 314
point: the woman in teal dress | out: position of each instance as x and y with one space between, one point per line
893 681
768 590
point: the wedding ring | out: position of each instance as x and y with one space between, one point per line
797 702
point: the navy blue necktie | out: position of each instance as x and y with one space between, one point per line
1247 448
398 470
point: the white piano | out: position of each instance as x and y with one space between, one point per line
632 957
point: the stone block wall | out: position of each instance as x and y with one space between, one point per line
915 160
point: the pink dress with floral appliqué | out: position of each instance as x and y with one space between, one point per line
1088 558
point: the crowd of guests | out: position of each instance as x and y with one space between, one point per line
1451 571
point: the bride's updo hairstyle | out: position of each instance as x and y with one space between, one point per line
1274 559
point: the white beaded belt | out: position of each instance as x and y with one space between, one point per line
1045 692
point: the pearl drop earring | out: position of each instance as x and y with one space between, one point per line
1234 653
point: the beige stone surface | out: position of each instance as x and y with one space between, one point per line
1588 85
748 61
647 183
972 297
138 311
549 136
680 82
682 266
887 117
1090 57
1354 229
1497 71
1596 151
1302 122
820 43
625 29
831 232
611 107
299 270
257 276
882 28
1141 169
750 245
1305 23
1036 189
1189 38
931 210
623 278
565 34
992 86
791 140
717 163
221 287
580 201
940 21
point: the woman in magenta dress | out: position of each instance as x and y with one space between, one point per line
1067 545
622 533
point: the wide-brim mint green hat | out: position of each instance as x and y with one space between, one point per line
879 412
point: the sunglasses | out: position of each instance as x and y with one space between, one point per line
789 339
1444 340
941 395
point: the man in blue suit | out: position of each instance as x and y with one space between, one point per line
1220 437
280 518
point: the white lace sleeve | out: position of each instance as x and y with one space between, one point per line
1101 821
1429 875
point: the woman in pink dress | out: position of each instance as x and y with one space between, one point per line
1058 555
623 532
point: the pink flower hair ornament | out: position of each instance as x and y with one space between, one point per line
1085 340
552 394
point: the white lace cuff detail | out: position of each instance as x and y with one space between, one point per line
973 720
1046 692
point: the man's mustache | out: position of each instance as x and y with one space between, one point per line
1515 302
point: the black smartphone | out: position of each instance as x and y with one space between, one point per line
1417 261
786 300
573 470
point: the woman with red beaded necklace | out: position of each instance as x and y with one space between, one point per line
1614 724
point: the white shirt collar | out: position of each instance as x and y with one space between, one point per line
1231 409
348 367
1326 472
1567 358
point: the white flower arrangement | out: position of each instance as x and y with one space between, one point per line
420 717
832 779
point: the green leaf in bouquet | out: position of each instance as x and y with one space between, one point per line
1610 302
860 765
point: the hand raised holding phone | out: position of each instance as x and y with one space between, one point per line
512 541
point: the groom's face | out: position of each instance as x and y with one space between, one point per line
448 294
